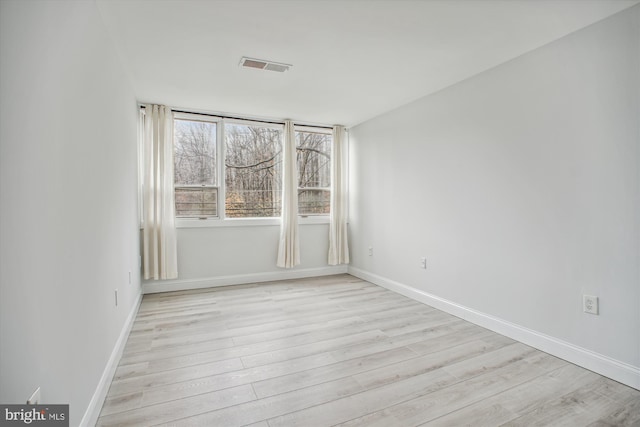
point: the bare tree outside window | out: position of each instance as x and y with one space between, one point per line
314 172
253 158
252 169
195 169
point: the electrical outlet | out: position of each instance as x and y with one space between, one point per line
423 263
35 397
590 304
370 250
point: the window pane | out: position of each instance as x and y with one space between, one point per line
313 201
197 202
195 152
314 172
253 170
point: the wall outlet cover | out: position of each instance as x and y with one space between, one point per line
590 304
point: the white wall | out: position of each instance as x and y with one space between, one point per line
521 186
68 220
223 255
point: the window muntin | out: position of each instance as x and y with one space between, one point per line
313 155
253 170
195 168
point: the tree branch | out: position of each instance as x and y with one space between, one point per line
253 165
322 153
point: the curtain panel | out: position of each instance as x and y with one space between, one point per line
289 246
338 244
160 259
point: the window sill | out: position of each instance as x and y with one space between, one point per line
247 222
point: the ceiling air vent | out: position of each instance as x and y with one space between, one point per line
262 64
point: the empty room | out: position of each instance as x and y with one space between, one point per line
320 212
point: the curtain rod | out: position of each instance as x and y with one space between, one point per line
244 118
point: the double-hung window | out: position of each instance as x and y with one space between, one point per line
227 168
313 152
195 167
253 170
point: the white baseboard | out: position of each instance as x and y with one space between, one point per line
603 365
95 406
151 287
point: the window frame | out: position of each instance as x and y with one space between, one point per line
221 220
322 131
218 122
246 122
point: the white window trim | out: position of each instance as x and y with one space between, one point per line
314 218
221 220
219 176
247 222
311 129
240 222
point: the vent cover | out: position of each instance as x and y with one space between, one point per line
263 64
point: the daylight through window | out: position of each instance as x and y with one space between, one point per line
195 168
253 160
313 151
242 177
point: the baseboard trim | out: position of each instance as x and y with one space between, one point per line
239 279
603 365
95 405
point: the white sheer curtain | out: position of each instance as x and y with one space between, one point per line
159 231
338 244
289 247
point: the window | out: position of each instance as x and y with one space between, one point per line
232 168
253 160
313 151
195 168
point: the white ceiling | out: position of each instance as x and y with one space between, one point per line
352 59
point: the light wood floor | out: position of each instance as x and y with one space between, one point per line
340 351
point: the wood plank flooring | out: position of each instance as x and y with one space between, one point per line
337 350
